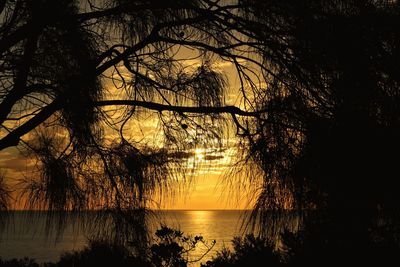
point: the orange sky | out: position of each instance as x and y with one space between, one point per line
206 191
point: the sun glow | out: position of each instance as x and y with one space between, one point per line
199 153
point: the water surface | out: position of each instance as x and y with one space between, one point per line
27 237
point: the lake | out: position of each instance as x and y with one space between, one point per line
27 237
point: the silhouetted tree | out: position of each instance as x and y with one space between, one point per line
75 76
332 131
319 98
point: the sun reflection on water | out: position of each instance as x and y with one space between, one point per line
200 216
218 225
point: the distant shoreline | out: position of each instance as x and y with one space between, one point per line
148 210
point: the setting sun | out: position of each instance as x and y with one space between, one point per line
199 153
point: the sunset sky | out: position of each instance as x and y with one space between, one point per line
205 188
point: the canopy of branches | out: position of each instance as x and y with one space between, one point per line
316 111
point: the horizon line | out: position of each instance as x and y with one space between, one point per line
13 210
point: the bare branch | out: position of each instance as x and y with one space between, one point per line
181 109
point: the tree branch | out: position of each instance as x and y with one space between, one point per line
182 109
13 138
19 89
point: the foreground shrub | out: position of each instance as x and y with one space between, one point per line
171 248
247 251
100 253
25 262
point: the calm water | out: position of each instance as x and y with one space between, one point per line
27 238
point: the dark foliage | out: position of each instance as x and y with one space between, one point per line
332 130
324 244
247 251
101 254
171 248
26 262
